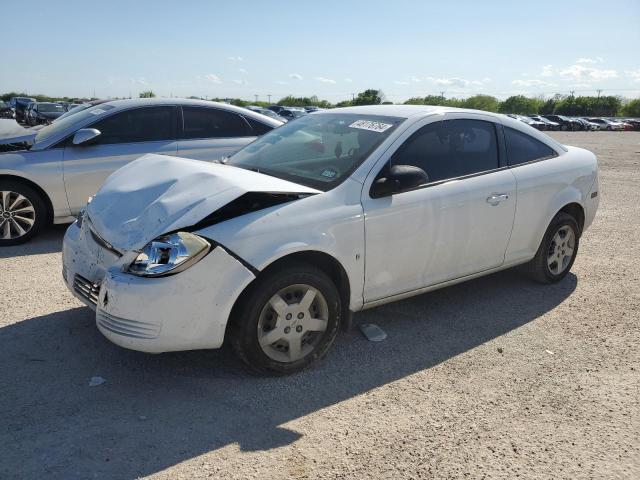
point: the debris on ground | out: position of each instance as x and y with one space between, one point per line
95 381
373 332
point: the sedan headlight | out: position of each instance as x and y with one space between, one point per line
169 254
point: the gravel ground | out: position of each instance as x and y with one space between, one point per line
495 378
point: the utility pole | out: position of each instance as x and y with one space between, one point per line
269 97
353 97
442 95
599 92
256 98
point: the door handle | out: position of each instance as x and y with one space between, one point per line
496 198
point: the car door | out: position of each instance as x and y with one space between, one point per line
124 137
455 225
212 133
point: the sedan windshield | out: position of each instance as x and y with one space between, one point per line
319 150
63 123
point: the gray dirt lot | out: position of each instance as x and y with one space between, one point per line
495 378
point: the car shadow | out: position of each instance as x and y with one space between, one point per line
47 241
155 411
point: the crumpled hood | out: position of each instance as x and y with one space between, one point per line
12 132
156 194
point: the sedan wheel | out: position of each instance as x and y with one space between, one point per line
286 320
561 250
22 212
292 323
17 215
557 251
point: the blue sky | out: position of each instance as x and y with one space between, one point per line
327 48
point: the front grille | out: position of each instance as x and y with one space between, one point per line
83 287
126 327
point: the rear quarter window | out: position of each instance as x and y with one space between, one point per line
523 148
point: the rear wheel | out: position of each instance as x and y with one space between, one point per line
557 251
22 212
287 320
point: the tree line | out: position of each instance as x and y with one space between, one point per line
588 106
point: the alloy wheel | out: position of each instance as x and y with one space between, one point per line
292 323
561 250
17 215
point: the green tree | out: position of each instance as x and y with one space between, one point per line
548 107
632 109
147 94
482 102
369 97
520 104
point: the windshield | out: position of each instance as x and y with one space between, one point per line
76 109
63 123
50 107
319 150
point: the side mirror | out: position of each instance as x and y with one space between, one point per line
85 136
399 179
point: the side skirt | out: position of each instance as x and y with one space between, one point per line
430 288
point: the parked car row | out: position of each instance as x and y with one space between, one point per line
561 122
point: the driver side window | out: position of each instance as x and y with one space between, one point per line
451 148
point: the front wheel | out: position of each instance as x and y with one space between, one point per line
287 320
557 251
22 212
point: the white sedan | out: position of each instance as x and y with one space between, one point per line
337 212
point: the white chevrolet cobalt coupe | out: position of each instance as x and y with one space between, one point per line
330 214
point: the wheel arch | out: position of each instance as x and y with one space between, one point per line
36 187
321 260
576 211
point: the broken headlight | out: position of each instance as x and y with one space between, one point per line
169 254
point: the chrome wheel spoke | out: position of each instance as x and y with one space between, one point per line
28 209
270 337
4 200
19 199
5 227
279 305
18 227
314 325
307 300
295 348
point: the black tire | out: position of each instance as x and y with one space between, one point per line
39 207
538 267
246 316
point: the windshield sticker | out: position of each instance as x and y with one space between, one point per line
98 111
371 125
329 173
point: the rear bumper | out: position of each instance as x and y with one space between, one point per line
185 311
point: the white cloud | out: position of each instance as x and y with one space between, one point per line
399 82
590 60
324 80
547 71
241 82
457 82
295 76
415 79
139 81
242 70
533 82
280 82
348 80
634 74
580 72
236 59
213 78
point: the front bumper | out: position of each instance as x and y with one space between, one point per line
185 311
